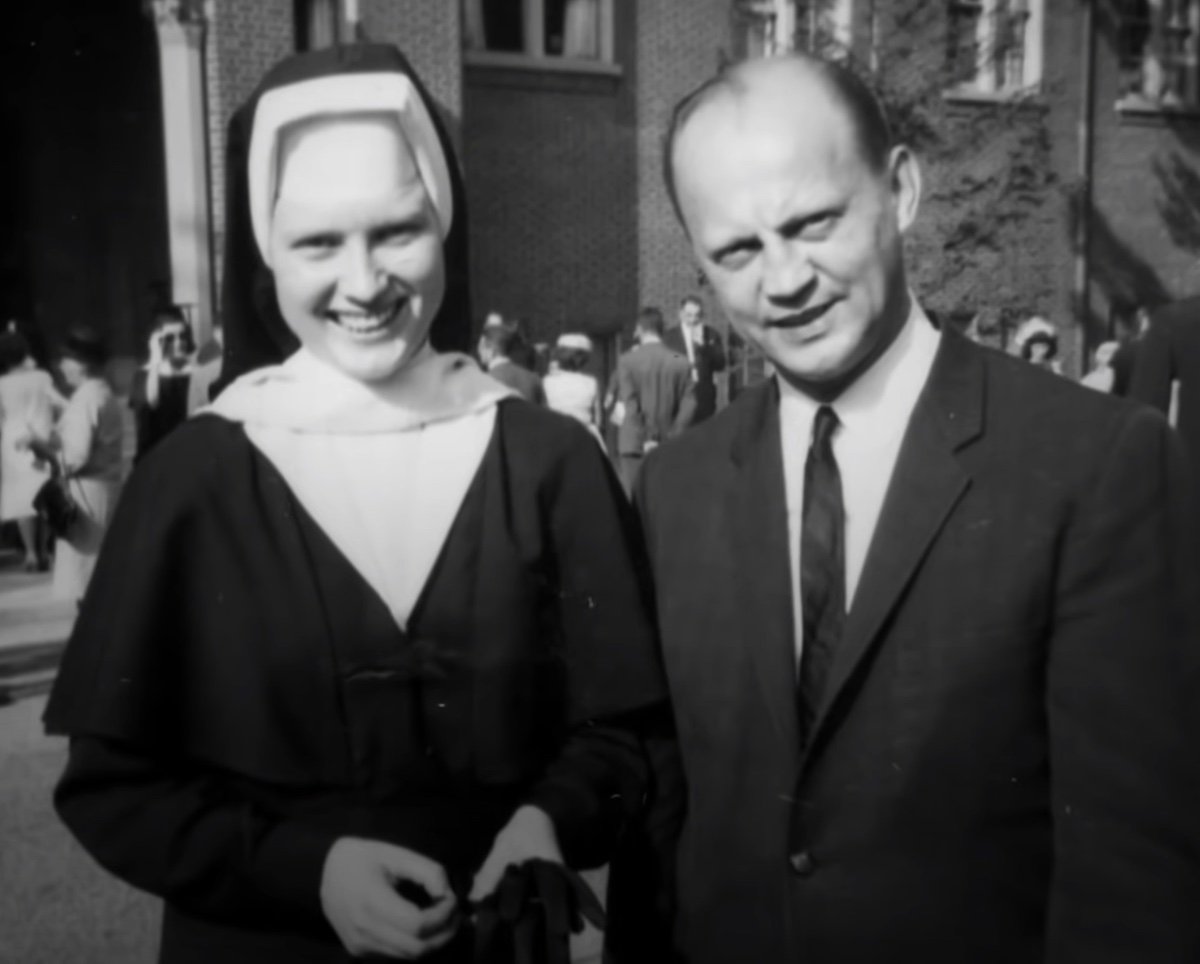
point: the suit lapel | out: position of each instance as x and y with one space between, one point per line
926 484
758 512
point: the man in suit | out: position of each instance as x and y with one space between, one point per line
923 607
1166 373
654 395
496 347
702 347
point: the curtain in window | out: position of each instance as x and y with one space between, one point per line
474 34
581 29
322 23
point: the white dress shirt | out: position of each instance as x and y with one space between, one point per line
874 413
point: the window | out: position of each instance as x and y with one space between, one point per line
560 31
995 46
766 27
824 26
318 23
1158 53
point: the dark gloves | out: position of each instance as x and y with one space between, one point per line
531 915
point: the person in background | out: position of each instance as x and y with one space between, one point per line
1125 360
1166 375
371 630
655 396
162 387
207 371
568 388
28 407
1036 341
1101 375
87 448
702 347
496 346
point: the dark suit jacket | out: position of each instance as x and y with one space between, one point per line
1004 768
654 384
525 383
710 359
1169 351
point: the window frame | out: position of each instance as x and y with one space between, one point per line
534 56
1187 59
983 84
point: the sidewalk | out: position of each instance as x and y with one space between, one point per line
33 628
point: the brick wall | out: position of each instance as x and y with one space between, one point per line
552 188
679 45
430 36
243 41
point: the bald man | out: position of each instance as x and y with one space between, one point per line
922 606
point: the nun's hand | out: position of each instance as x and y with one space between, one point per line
528 835
359 897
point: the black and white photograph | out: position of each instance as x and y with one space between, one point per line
600 482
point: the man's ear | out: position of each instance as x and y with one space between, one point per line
904 178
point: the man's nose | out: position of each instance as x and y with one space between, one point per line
788 274
361 279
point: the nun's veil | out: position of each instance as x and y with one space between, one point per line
255 333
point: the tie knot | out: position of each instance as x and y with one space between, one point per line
824 425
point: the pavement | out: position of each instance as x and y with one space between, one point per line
34 626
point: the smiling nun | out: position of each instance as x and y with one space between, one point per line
370 629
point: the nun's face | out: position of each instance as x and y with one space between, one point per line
355 246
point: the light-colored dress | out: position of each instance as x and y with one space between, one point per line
27 403
576 394
90 435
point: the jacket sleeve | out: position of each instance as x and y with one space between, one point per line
1123 686
187 837
614 677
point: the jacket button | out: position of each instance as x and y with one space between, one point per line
802 863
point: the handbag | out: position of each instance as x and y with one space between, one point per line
54 503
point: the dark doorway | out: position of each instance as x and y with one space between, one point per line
83 205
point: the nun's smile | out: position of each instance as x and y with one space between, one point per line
355 246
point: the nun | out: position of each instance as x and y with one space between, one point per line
387 633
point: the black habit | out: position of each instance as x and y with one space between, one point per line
248 698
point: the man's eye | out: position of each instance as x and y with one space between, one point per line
736 257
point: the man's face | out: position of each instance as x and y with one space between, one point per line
173 337
690 314
798 235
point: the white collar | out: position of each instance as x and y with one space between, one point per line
308 395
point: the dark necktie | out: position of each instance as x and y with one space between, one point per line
822 566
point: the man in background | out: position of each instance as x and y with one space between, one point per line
654 394
496 347
1166 374
702 347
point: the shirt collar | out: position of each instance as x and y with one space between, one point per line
884 396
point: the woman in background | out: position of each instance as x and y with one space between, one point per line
571 390
28 405
87 448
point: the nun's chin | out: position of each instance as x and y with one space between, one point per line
372 361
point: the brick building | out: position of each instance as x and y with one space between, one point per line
559 107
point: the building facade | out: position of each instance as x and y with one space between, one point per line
1060 141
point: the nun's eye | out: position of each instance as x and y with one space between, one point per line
402 232
317 242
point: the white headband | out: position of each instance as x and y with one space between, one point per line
341 94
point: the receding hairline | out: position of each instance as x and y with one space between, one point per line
845 89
